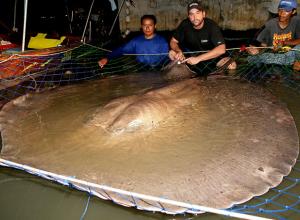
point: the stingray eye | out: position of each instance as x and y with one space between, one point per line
133 125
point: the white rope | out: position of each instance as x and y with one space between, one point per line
189 52
131 194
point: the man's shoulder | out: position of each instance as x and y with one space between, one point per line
211 24
186 23
272 22
296 19
210 21
159 38
135 40
138 38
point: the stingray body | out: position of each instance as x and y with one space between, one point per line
145 111
175 71
213 143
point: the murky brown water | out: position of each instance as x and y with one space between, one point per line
53 126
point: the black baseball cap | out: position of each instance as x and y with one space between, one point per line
196 5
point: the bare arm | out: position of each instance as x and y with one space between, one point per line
175 53
293 42
216 52
174 45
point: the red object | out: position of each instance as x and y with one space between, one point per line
8 46
243 48
28 62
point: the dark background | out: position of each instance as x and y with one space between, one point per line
59 17
68 17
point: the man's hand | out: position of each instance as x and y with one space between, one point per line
173 55
193 60
102 62
252 50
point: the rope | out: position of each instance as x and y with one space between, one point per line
86 206
127 193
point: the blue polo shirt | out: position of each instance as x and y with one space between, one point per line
152 52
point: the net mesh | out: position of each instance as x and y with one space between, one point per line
39 70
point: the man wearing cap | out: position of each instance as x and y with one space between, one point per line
279 33
197 33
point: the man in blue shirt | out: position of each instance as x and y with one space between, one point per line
150 48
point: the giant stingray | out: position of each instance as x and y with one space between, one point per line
214 143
